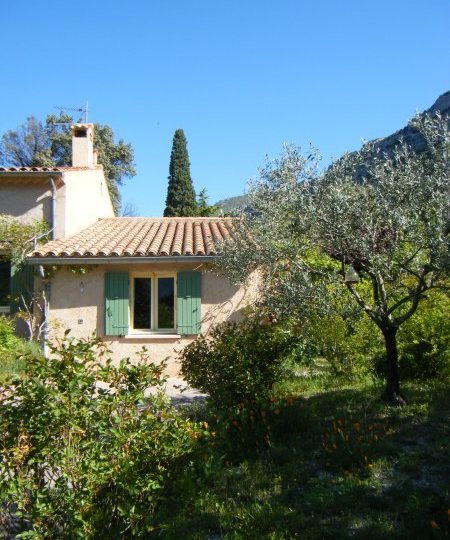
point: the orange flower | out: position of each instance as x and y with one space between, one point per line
434 525
357 426
205 425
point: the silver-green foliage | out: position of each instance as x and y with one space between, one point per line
387 215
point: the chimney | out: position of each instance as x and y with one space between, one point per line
82 145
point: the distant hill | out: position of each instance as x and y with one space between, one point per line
230 205
385 144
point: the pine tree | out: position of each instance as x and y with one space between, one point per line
203 208
180 199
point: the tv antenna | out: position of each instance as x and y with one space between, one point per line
83 110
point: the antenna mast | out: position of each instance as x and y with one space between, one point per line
83 110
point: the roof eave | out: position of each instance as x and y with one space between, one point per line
121 260
38 175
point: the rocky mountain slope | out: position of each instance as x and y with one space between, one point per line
385 144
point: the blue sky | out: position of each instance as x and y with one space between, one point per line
241 77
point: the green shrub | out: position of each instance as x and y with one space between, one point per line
353 346
8 340
84 453
238 363
348 343
424 341
11 349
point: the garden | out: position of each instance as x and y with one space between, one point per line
327 405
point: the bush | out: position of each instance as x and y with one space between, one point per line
238 363
424 341
11 349
84 454
353 346
8 340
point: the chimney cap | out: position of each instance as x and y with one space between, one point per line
82 124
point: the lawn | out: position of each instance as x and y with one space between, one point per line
334 462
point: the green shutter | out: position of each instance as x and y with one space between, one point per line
189 292
116 303
22 286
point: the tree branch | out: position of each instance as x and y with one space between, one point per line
370 312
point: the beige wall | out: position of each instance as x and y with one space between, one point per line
81 200
68 306
86 199
26 201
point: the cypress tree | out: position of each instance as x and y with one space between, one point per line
180 199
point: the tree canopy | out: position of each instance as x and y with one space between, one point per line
36 144
391 225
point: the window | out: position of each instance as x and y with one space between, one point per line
5 286
153 303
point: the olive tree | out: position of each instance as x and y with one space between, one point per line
372 228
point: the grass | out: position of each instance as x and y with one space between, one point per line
334 463
10 366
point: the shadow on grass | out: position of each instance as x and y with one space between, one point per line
338 464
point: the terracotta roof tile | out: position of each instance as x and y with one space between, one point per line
143 237
48 169
32 169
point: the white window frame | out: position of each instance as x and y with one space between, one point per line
154 276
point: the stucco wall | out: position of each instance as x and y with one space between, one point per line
27 202
69 306
81 200
86 199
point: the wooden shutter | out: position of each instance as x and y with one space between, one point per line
22 286
116 303
189 303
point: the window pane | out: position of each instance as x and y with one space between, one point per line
166 303
142 303
5 280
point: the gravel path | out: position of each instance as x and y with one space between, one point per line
181 393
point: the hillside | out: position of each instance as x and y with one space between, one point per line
385 144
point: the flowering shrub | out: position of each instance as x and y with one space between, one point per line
238 363
83 452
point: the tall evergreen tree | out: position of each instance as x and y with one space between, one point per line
180 199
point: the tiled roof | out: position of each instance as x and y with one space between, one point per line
33 169
47 170
143 237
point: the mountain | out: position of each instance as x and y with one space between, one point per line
410 134
385 144
231 204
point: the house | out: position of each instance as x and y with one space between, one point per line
133 280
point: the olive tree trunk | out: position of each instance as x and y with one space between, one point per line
392 393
